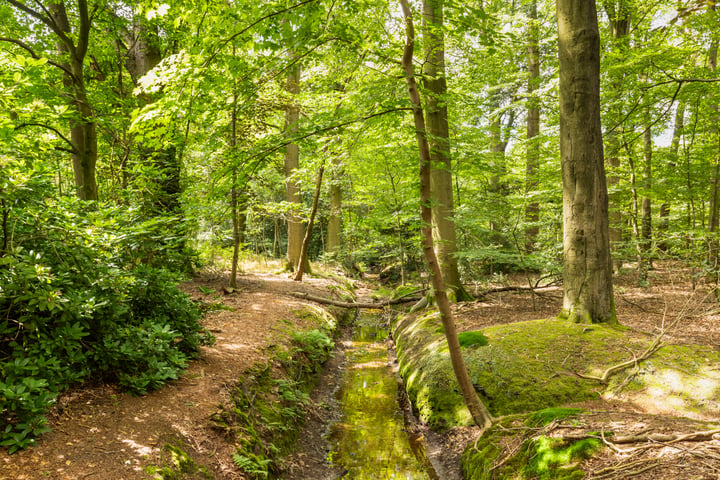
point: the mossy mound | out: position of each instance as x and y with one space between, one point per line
474 338
517 449
528 366
426 369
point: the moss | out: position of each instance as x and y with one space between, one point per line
527 366
518 371
553 458
683 378
540 457
547 415
472 338
179 467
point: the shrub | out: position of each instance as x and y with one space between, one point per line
80 298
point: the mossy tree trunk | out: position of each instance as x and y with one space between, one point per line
479 412
443 209
587 267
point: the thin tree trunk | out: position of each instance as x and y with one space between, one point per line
479 412
334 220
587 267
618 13
713 247
532 210
645 239
311 222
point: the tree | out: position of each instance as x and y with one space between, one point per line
532 210
296 232
439 140
72 47
479 412
587 267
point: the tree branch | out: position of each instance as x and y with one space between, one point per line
47 20
73 149
32 53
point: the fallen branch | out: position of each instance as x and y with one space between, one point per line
508 289
339 303
666 439
654 347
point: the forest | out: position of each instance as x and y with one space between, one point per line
425 158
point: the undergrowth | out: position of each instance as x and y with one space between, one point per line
85 294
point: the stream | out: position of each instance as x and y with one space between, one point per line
371 440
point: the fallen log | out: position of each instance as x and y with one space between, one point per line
339 303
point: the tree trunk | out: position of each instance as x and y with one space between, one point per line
142 54
645 239
296 232
618 13
587 268
311 222
713 246
532 209
480 414
82 129
443 211
334 220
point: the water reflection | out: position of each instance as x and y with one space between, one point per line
371 442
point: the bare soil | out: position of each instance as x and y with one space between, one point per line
102 433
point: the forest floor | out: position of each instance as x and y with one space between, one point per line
100 433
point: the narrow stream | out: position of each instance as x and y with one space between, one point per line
371 442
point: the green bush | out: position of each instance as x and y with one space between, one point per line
82 295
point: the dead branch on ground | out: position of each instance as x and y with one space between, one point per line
338 303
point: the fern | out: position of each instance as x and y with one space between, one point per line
258 467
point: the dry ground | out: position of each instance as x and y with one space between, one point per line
100 433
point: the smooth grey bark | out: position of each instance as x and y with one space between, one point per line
587 267
436 113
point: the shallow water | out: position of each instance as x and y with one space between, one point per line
370 442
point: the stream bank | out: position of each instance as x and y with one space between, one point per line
361 415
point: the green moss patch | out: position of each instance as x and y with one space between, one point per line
424 364
529 366
474 338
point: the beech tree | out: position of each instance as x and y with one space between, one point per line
587 267
443 218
